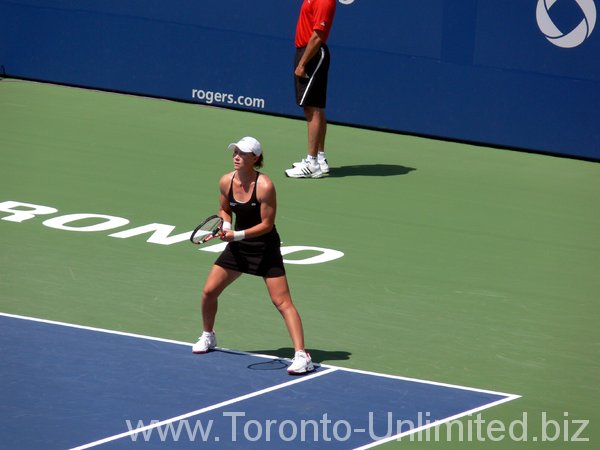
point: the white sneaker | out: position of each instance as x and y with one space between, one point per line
205 343
301 364
302 161
304 170
322 165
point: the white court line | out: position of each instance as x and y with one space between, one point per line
202 410
435 423
418 380
326 366
101 330
182 416
332 369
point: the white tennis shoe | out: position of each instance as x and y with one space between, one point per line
322 165
205 343
302 363
303 169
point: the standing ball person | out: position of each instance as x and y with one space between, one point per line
311 71
253 248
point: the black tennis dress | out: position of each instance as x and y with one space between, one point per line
259 256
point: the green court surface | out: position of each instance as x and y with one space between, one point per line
462 264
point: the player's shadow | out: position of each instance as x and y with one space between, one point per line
369 170
318 356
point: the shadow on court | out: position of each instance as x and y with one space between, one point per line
318 356
369 170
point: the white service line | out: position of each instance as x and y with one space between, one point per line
203 410
435 423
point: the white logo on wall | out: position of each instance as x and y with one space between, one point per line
346 2
574 37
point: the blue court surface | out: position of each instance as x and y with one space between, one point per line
66 386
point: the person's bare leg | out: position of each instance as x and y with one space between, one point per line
218 279
281 298
317 129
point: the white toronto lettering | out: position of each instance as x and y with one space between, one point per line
325 255
106 222
19 214
159 233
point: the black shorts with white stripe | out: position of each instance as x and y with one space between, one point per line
312 90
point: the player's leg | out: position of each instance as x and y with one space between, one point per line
218 279
311 96
279 292
317 129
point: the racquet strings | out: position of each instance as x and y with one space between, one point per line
208 228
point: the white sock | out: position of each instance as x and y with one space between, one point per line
312 160
322 156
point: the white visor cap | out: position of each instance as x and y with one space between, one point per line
247 145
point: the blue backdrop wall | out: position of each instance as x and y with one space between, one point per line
514 73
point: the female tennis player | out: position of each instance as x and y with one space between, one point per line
253 248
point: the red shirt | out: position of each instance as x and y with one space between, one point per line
314 15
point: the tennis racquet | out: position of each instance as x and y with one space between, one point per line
211 227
